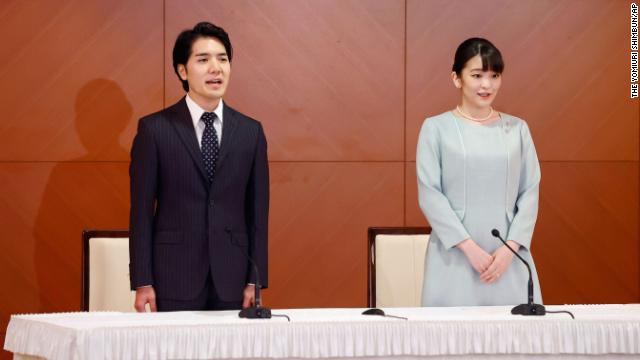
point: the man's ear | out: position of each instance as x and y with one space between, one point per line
457 82
182 70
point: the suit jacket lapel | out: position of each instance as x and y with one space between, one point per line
228 129
184 126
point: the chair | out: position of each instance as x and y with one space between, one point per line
396 265
105 273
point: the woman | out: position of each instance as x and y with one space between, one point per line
477 171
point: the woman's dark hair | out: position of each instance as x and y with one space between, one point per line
184 42
491 57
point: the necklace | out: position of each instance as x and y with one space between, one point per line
472 118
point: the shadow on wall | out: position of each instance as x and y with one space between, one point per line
86 192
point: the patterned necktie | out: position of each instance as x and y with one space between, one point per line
209 145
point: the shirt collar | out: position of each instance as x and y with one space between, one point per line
196 111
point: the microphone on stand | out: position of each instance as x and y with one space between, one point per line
529 308
380 312
256 311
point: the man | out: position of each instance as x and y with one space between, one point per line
199 190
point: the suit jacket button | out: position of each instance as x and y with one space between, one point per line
211 203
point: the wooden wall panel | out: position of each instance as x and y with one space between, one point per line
586 241
74 78
45 207
319 217
77 74
325 77
568 77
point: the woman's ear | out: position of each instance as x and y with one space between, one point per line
457 82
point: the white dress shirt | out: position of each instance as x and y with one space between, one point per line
196 113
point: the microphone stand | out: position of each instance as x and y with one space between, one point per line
530 308
256 311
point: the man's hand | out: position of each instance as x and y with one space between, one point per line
145 295
249 296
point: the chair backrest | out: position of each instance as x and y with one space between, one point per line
396 265
105 273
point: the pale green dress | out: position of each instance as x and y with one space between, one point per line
481 155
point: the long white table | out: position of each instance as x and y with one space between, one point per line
599 331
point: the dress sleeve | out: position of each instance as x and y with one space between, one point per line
434 204
526 210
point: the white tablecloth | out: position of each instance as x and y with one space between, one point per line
329 333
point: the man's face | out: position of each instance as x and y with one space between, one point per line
207 71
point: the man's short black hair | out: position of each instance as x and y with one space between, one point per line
184 42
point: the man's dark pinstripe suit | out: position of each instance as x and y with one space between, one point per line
180 227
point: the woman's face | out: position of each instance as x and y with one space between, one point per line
479 88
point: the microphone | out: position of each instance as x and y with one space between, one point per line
256 311
380 312
529 308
